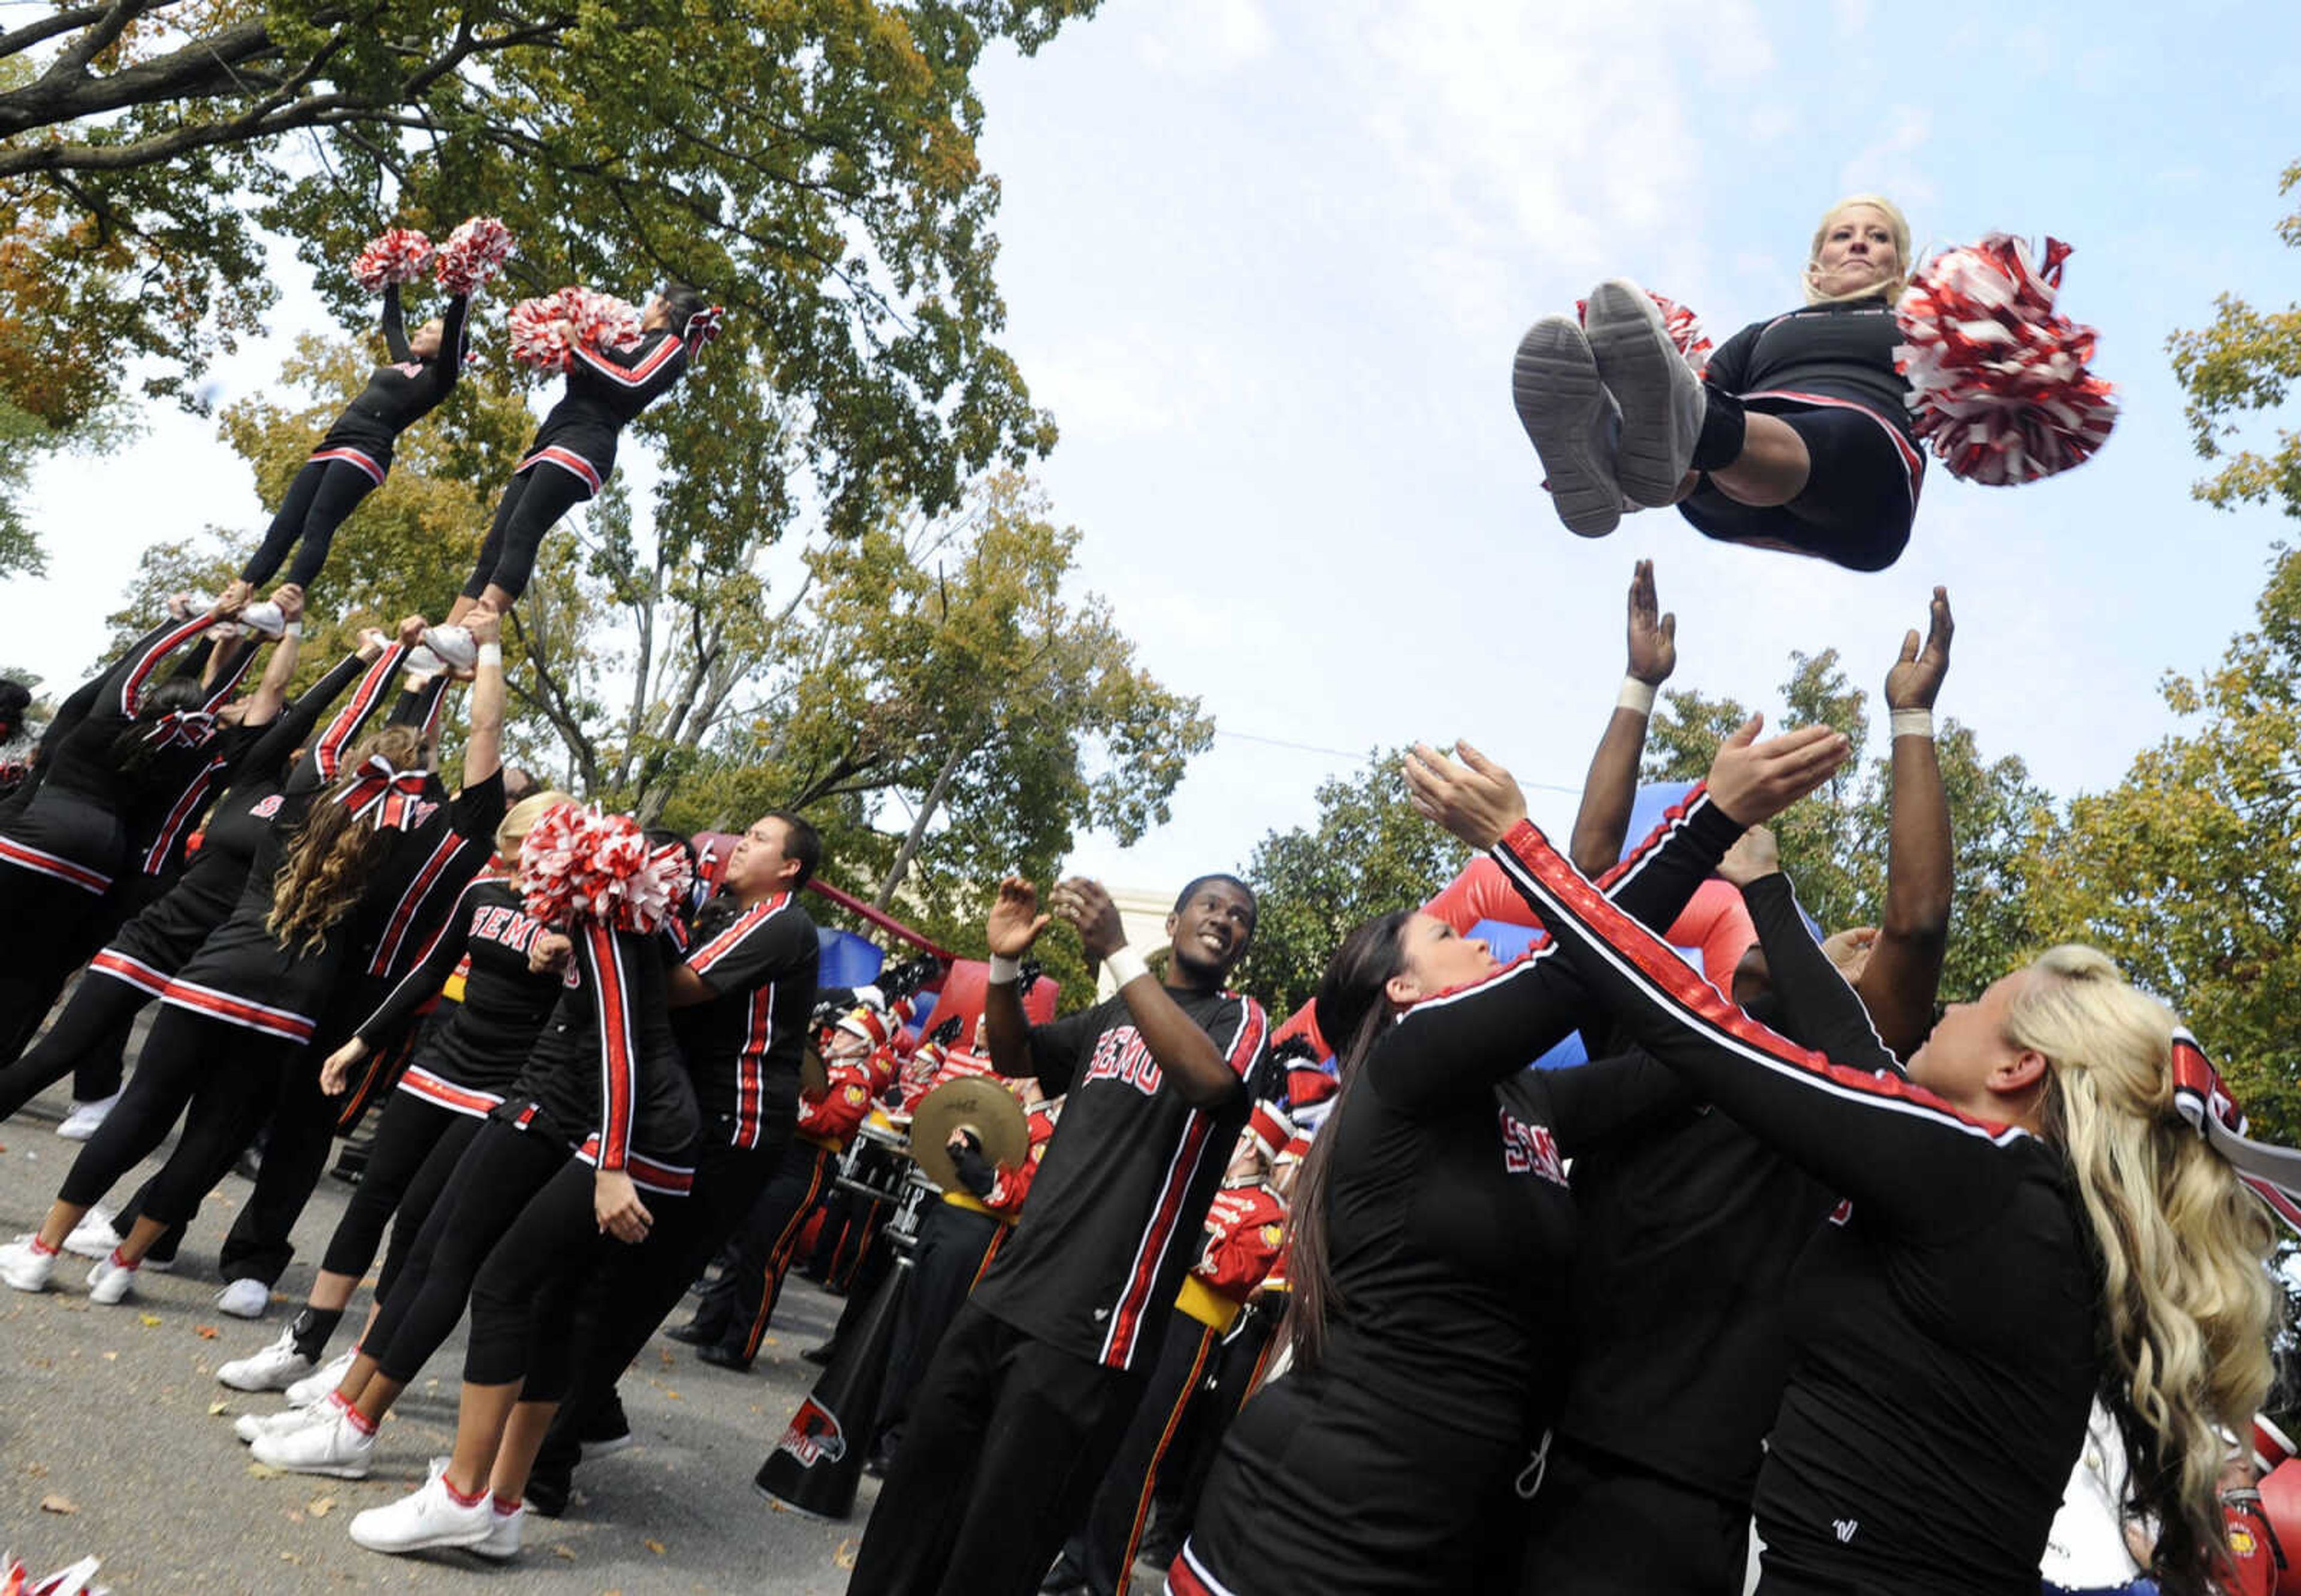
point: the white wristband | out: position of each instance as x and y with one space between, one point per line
293 629
1004 971
1914 723
1125 964
1636 697
491 654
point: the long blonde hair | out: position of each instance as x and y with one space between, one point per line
2184 1246
1892 289
330 861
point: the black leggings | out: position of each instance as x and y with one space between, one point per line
418 1143
302 1120
222 1077
526 1291
501 1171
86 1042
737 1309
1858 500
323 495
530 508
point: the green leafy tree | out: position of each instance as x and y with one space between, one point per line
2244 362
813 167
2188 871
1367 853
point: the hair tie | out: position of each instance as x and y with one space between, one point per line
2203 1102
383 795
184 727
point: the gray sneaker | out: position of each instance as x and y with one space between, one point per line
1661 397
1572 421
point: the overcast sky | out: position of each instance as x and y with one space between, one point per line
1266 263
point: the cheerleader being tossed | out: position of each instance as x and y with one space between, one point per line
1807 432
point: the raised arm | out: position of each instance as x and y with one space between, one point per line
264 704
288 730
325 760
1014 923
1818 1009
1909 1160
1903 975
648 370
448 365
394 326
483 739
1610 790
1207 1072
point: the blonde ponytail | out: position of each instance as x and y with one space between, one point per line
2189 1304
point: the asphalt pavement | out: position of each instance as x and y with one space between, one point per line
116 1438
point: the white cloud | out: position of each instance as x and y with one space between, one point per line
1207 38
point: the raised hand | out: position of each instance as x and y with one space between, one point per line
1653 637
411 631
1089 911
289 597
484 622
1849 950
371 644
1015 922
1475 800
1917 676
233 599
1753 781
1756 854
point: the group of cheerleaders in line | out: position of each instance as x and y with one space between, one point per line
1940 1244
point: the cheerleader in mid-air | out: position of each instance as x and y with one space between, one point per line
1805 432
355 455
617 363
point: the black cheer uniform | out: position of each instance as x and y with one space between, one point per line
514 1230
1388 1466
355 455
1031 1390
741 1047
1826 371
463 1063
1690 1228
575 451
145 954
1945 1327
60 855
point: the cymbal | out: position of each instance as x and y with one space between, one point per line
980 1103
812 1075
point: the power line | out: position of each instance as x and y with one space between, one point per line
1312 747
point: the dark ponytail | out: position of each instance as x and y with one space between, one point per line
132 749
1354 1011
685 303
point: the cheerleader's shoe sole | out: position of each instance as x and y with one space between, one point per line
1570 419
453 645
1660 398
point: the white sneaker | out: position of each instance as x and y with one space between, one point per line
244 1299
1571 419
502 1544
111 1282
275 1368
330 1444
421 664
24 1268
95 1236
314 1387
425 1519
264 619
1662 398
453 645
80 1123
253 1427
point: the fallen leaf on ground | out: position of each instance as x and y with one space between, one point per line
674 1396
111 1357
218 1409
55 1501
264 1471
206 1333
844 1558
654 1546
290 1556
564 1551
319 1506
150 1321
666 1357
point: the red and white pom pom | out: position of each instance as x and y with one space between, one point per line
1684 327
600 321
578 863
1998 376
473 254
395 254
538 334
